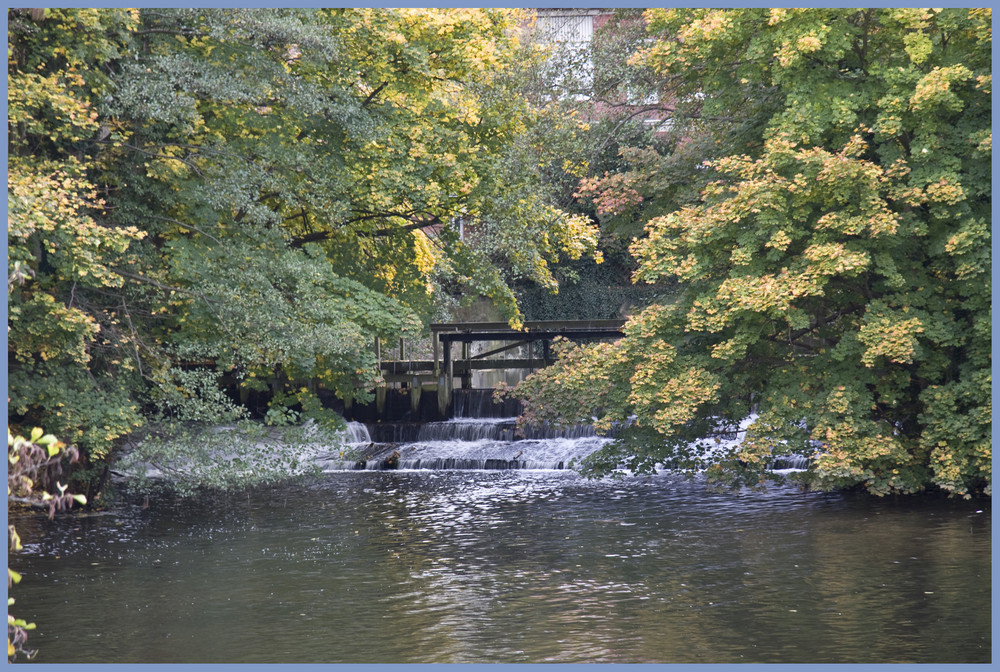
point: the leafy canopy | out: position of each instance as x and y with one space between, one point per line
835 268
215 197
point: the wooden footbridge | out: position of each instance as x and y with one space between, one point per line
440 372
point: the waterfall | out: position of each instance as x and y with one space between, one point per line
477 403
728 440
555 453
468 429
499 429
492 442
356 433
482 454
790 463
466 443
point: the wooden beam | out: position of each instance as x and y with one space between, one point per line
505 348
446 327
459 367
546 335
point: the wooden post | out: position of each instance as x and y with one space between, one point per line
444 396
448 368
445 380
449 373
467 378
435 338
380 400
415 390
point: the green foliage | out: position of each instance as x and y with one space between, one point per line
60 247
186 459
594 111
588 290
835 270
209 198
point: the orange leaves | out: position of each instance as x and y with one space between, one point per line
878 222
888 334
834 270
53 203
585 382
970 246
881 463
831 259
759 294
935 89
709 314
779 241
612 194
787 225
945 191
680 399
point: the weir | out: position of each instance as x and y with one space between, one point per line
488 440
464 427
465 443
438 375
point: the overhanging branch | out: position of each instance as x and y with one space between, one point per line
414 223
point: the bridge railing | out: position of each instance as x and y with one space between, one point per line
441 371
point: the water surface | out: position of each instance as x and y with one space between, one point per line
512 566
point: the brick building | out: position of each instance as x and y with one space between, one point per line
585 42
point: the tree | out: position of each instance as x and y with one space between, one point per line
61 251
595 106
210 197
835 268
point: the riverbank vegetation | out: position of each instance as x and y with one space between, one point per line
834 268
244 199
200 198
35 465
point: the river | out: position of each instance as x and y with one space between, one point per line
521 565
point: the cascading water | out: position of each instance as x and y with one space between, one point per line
469 429
479 403
493 443
729 441
475 443
356 435
465 442
468 443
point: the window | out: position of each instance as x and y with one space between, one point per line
570 32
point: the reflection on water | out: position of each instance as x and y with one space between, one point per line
513 567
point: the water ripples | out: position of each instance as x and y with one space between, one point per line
472 567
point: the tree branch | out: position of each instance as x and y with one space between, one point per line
799 333
171 31
186 226
414 224
187 163
375 92
199 295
